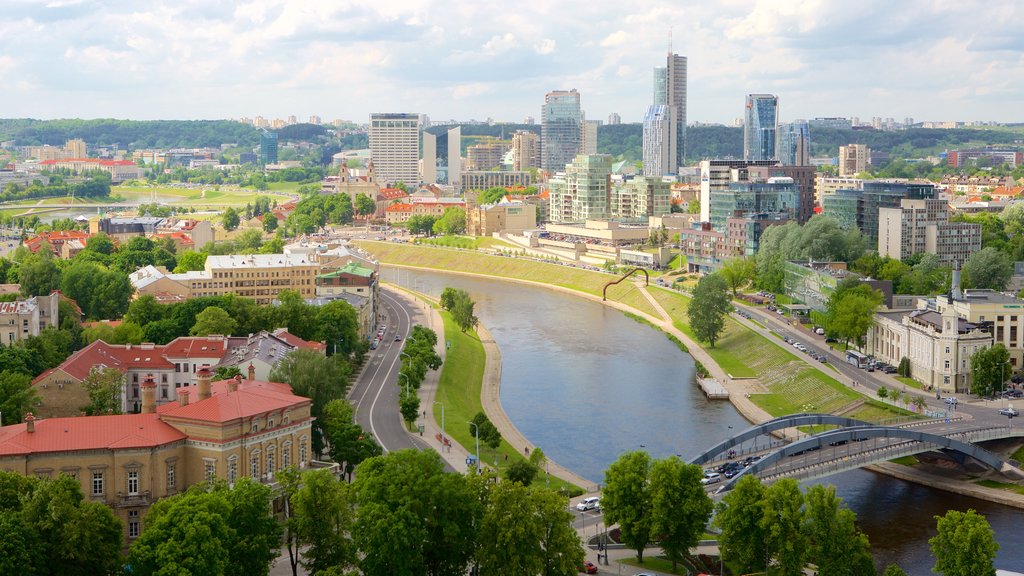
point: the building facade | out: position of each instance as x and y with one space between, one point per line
777 196
268 147
395 147
641 197
561 129
760 126
860 208
923 226
659 144
525 151
795 144
718 175
472 180
582 192
23 319
853 159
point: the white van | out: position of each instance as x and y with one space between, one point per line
590 503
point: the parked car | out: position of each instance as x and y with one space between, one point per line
711 480
591 503
588 568
819 331
1009 411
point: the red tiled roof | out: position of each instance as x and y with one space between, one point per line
88 433
393 193
195 347
399 208
181 237
297 342
252 398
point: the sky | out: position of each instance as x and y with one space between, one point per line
456 59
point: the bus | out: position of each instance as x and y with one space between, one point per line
856 358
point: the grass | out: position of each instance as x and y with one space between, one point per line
1018 455
584 281
1001 486
458 389
904 460
467 242
909 382
654 563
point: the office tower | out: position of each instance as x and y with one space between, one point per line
561 129
718 174
660 85
676 84
268 147
614 118
395 147
659 144
525 150
795 144
583 191
760 125
589 143
853 159
860 208
442 157
779 196
670 91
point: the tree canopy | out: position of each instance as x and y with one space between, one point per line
708 308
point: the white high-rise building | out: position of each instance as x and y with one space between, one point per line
449 170
659 146
670 92
395 147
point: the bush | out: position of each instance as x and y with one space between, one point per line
904 367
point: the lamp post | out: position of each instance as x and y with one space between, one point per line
443 438
406 376
1009 415
476 429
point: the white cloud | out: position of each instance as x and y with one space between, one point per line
545 46
463 91
616 38
498 44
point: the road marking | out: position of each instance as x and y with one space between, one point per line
373 406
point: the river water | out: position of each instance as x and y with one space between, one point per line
585 383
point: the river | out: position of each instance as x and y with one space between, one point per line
585 383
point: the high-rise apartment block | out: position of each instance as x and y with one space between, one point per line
589 138
760 127
561 129
641 197
525 150
582 192
395 147
666 148
923 226
659 144
614 119
795 144
853 159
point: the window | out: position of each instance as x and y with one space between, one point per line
947 364
133 523
211 471
97 483
171 480
302 452
232 470
947 349
286 457
270 462
254 465
270 422
133 482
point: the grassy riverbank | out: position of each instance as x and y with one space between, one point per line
459 388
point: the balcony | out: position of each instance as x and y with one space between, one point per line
125 500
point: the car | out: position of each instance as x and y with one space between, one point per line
1013 393
398 338
590 503
712 480
373 345
588 568
819 331
838 443
870 368
1009 411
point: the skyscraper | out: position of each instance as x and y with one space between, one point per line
268 147
561 130
525 150
659 145
760 125
395 147
795 144
444 167
669 91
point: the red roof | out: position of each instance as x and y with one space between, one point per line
393 193
252 398
195 347
180 237
297 342
126 357
55 238
88 433
400 208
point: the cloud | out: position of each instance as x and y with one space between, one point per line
498 44
464 91
545 46
616 38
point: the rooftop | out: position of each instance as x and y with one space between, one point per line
88 433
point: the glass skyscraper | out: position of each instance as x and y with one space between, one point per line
669 151
761 121
561 129
659 146
795 144
268 147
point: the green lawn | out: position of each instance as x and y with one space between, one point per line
1019 454
468 242
909 382
503 267
1001 486
654 563
904 460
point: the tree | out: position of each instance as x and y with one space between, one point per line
447 299
854 313
708 308
104 386
317 377
680 508
100 243
257 533
521 472
39 274
185 534
904 367
782 522
347 443
737 272
100 293
365 205
213 320
409 406
990 367
17 396
739 516
626 499
462 311
226 373
230 219
894 570
837 547
489 433
322 521
988 268
964 546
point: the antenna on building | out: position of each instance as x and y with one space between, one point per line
670 40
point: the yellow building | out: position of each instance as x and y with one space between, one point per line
230 429
512 217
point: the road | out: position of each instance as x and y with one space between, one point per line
375 392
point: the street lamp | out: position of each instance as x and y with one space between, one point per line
476 429
443 438
406 376
1009 414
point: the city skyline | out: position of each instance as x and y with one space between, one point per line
79 58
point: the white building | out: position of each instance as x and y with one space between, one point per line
395 147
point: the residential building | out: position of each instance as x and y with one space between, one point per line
640 197
124 229
219 430
398 213
853 159
119 170
486 155
860 208
795 144
802 176
511 216
834 123
561 129
395 147
588 139
670 91
473 180
582 192
63 244
994 156
718 175
827 186
706 249
268 147
525 151
350 279
923 226
777 196
614 118
257 354
659 143
760 125
21 319
388 196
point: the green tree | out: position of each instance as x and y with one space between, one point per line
317 377
347 443
521 472
20 552
708 308
626 499
104 386
409 406
226 373
338 326
100 243
100 293
990 367
737 272
964 546
453 221
739 516
185 534
230 219
190 260
837 547
17 397
364 205
782 522
213 320
851 310
322 521
680 508
988 268
489 433
39 274
412 517
270 223
257 534
447 299
462 311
